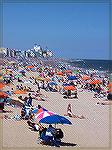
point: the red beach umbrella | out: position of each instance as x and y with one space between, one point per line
1 85
60 73
68 71
96 81
70 87
85 77
30 67
43 114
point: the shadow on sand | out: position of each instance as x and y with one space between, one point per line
6 111
67 144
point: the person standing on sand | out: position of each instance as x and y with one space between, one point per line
30 100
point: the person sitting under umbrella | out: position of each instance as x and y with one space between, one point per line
50 136
70 114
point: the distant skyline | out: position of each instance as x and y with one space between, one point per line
71 30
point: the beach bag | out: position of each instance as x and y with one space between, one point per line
59 134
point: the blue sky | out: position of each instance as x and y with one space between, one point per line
71 30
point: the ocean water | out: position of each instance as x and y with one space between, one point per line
100 65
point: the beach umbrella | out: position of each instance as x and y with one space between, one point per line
55 119
22 71
18 75
70 87
52 83
76 71
95 81
66 84
68 71
85 77
72 78
43 114
30 66
20 92
2 85
60 73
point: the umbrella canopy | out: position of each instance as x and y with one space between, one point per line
70 87
66 84
43 114
20 92
72 78
1 85
22 71
60 73
76 71
52 83
18 75
55 119
96 81
30 67
68 71
85 77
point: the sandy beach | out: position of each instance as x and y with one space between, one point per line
91 132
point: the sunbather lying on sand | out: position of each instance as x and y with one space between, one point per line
70 114
105 103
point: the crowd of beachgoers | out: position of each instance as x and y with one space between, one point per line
21 85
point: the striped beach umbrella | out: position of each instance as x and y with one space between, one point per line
42 115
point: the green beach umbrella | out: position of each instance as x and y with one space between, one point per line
18 75
76 71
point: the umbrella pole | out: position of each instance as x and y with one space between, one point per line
55 126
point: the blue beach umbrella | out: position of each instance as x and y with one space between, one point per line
55 119
66 84
22 71
72 78
52 83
